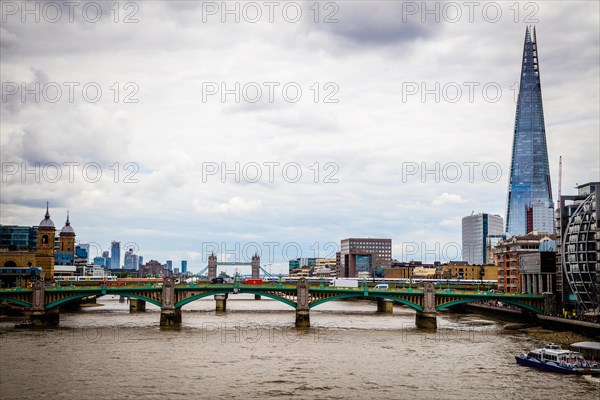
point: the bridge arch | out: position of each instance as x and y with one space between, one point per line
361 296
508 301
67 300
16 301
227 291
136 296
83 295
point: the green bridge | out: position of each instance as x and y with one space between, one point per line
44 303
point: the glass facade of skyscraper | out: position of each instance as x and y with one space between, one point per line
477 230
530 205
115 255
183 266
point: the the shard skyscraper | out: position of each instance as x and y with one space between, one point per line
530 205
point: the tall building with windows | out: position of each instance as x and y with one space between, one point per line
115 255
13 237
183 266
513 277
131 260
364 255
578 250
530 207
477 232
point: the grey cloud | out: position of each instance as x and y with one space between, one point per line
375 23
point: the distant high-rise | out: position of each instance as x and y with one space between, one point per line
115 255
530 206
170 265
477 234
183 266
131 260
82 251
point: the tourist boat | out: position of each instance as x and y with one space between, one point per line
553 358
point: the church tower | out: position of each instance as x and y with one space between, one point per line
66 246
44 257
67 237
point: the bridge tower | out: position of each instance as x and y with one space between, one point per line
212 266
256 271
427 318
256 266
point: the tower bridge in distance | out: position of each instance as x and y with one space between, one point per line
44 303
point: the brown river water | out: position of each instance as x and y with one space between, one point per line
253 351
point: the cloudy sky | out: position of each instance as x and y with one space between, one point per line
189 127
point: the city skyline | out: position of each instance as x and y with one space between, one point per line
378 141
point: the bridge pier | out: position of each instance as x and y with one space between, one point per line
45 318
136 305
302 305
40 317
427 319
169 315
385 306
257 297
221 302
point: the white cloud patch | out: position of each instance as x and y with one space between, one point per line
447 198
237 205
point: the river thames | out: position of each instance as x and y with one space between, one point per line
254 351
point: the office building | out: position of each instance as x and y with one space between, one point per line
530 207
99 261
477 232
183 266
19 260
364 255
578 251
13 237
301 262
115 255
538 271
131 260
82 251
508 259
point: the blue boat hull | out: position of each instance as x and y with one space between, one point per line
546 366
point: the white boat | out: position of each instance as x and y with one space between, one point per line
553 358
